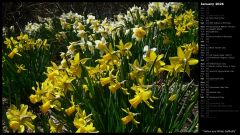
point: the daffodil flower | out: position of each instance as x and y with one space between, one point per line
180 30
19 119
20 68
10 42
83 123
114 87
124 48
34 98
45 107
184 59
138 33
141 94
71 109
64 82
152 58
138 72
107 80
13 53
193 47
75 68
22 37
101 44
173 69
129 117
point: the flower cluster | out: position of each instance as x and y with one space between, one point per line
23 43
19 119
109 65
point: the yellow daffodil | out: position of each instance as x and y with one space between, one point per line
83 123
64 82
114 87
105 80
141 94
184 59
152 58
52 75
34 98
45 107
173 69
10 42
124 48
180 30
75 68
22 37
129 117
138 33
138 72
193 47
20 68
101 44
19 119
107 57
71 109
13 52
165 23
172 97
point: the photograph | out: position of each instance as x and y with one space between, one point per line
110 67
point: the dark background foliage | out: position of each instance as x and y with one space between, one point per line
19 13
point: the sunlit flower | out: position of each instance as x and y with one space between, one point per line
138 33
45 107
101 44
105 80
124 48
83 123
129 117
34 98
72 108
12 54
183 58
141 94
19 119
114 87
191 47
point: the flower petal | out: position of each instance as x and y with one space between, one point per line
193 61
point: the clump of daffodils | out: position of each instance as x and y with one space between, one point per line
103 57
23 43
32 28
84 123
